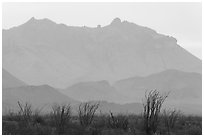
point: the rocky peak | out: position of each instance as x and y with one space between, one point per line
116 21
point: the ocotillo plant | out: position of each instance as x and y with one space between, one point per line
86 112
152 106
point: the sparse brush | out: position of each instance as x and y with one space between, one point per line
25 112
59 121
61 116
86 113
118 122
170 118
37 118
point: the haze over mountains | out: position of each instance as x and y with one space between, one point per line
45 62
42 96
43 52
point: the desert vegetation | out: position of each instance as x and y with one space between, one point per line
61 121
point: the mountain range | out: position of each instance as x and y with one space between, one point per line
43 52
46 63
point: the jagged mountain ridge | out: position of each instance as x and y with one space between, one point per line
43 52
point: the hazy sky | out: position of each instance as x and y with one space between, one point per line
180 20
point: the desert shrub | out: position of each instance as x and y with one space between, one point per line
11 116
39 129
152 106
100 121
37 117
192 125
10 127
60 117
26 121
193 130
25 113
86 113
135 122
169 119
23 121
118 122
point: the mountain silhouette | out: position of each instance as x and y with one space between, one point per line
43 52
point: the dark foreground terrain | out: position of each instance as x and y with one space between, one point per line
61 121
